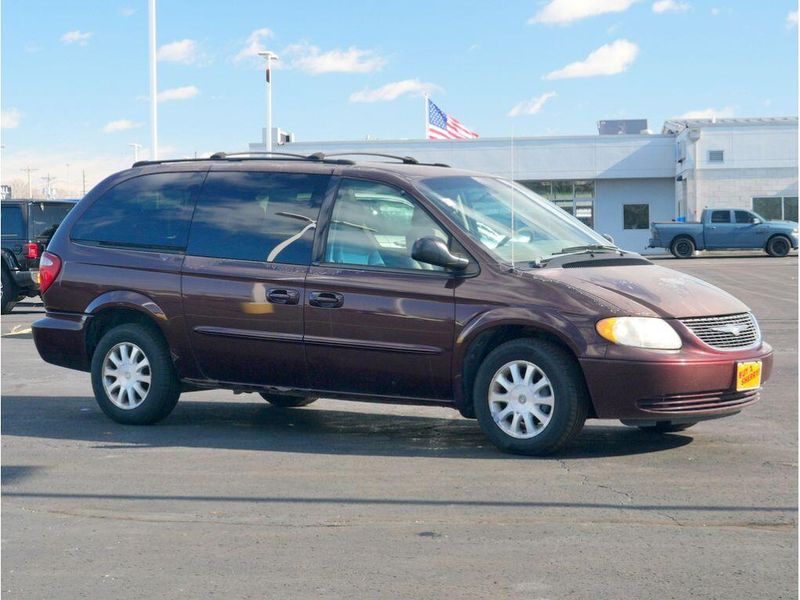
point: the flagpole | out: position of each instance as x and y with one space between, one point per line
425 130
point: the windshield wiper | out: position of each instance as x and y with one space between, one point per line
587 247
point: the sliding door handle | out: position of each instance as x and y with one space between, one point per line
326 299
283 296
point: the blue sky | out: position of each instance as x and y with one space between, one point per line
75 79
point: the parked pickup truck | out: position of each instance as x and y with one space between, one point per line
27 228
725 229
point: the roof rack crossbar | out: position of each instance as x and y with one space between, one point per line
406 160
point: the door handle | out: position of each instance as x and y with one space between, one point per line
283 296
326 299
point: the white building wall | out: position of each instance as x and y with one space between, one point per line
736 188
612 194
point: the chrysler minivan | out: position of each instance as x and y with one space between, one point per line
392 281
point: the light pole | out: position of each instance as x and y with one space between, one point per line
269 57
135 151
153 86
28 170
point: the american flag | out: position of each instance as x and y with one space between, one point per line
441 126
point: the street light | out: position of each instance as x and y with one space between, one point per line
151 21
269 57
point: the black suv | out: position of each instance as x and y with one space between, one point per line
27 226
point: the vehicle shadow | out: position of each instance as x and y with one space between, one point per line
256 425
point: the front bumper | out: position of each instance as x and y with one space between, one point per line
672 389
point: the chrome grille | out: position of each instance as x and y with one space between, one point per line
729 332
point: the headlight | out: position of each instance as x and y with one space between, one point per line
640 332
794 231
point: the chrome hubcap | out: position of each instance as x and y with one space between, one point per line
126 375
521 399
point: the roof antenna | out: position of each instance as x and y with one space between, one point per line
513 206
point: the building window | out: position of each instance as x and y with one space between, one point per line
575 197
636 216
717 156
776 208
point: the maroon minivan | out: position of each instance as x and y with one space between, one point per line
304 277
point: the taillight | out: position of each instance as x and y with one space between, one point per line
49 267
31 250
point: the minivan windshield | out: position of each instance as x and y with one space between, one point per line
513 223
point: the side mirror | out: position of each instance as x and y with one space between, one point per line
757 221
434 251
609 237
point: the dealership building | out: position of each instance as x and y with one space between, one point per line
619 182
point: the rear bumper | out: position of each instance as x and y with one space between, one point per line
674 390
60 339
27 280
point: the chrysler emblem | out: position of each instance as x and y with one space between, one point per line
730 328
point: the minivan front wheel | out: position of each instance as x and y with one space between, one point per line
133 377
288 401
530 397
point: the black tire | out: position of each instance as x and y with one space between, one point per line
288 401
683 247
778 246
666 427
10 293
164 389
570 406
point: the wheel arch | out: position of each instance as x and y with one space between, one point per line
492 329
117 308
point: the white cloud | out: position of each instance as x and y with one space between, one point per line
127 11
352 60
120 125
709 113
254 45
662 6
608 59
392 91
179 93
76 36
562 12
532 106
182 51
10 118
791 19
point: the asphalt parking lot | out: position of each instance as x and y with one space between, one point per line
232 498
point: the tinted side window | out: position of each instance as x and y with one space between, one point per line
150 212
376 224
742 216
721 216
46 217
13 225
267 217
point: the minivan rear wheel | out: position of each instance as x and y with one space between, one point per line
530 397
288 401
133 377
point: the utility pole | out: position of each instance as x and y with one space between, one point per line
49 194
83 173
28 170
153 85
135 151
269 57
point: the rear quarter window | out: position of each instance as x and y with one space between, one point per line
149 212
